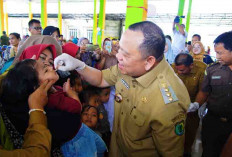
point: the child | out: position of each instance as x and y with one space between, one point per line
90 117
75 81
92 97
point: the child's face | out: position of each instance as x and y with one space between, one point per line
89 117
94 100
46 72
105 95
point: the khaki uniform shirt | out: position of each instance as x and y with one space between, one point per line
193 80
150 113
37 139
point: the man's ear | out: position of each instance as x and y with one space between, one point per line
150 62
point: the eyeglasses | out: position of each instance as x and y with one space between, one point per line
37 28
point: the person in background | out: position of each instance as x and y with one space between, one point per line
196 37
37 139
168 53
14 39
169 37
216 91
4 40
34 27
198 53
71 49
179 38
188 47
9 54
108 59
89 57
61 39
75 40
192 74
52 31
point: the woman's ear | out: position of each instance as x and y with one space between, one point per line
150 62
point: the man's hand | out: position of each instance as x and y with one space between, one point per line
38 99
66 62
193 107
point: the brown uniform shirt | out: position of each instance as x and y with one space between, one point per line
193 80
150 113
218 83
37 139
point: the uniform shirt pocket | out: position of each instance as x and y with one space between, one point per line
137 117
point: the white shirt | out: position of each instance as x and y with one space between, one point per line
178 44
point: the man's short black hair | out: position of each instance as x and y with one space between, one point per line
30 23
4 32
197 35
183 59
225 39
17 35
154 40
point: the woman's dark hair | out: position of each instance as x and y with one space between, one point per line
51 29
19 83
17 35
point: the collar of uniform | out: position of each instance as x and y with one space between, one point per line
146 79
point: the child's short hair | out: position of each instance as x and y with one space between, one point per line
87 107
73 76
88 92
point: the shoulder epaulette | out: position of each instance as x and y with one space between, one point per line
213 64
166 90
200 64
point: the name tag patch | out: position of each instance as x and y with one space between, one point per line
216 77
125 83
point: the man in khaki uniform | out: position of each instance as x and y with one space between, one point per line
192 74
151 101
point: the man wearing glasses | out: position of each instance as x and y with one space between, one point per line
34 27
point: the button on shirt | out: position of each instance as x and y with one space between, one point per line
218 83
144 124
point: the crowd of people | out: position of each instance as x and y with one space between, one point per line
142 95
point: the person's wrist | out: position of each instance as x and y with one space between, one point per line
81 66
36 109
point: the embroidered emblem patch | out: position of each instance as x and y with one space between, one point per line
179 128
118 98
125 83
